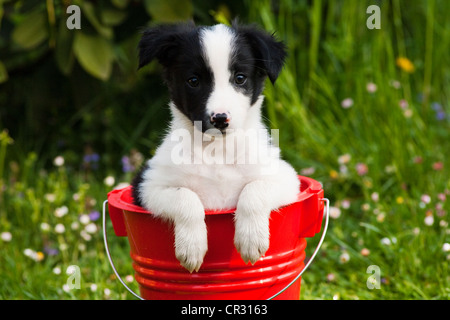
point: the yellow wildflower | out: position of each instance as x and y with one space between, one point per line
405 64
333 174
39 256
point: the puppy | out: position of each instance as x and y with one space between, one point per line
217 153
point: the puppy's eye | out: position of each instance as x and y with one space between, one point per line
193 82
240 79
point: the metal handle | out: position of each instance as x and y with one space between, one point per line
324 232
105 238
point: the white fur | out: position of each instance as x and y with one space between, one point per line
218 48
182 192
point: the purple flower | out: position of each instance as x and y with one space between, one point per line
91 160
440 115
95 157
436 106
94 215
126 164
92 157
51 251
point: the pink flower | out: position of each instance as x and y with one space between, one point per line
418 159
308 171
375 196
362 169
371 87
403 104
347 103
438 166
425 198
331 277
345 204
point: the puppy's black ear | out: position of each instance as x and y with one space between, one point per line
161 42
270 54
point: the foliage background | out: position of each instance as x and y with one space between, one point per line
373 128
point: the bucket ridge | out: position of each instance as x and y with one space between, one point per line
215 288
275 269
211 266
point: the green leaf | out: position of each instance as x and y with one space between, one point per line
3 73
111 17
89 12
63 50
95 55
169 10
121 4
2 12
222 15
31 31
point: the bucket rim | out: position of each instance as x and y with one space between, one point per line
121 198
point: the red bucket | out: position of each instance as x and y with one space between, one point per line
223 274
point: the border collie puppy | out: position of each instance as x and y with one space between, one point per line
225 158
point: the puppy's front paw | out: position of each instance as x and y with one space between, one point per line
191 244
251 237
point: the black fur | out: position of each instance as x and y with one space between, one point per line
178 49
137 180
269 53
162 42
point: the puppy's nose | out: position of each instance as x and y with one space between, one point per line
220 120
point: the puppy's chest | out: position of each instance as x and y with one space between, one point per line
218 186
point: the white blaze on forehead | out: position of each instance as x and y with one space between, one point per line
217 47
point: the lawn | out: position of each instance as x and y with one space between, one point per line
364 111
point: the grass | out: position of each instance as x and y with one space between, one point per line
350 115
360 121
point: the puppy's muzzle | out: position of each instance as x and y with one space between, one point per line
220 120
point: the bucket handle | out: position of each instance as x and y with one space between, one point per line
324 232
108 253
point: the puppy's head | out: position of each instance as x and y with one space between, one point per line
214 74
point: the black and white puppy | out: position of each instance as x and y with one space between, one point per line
215 77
